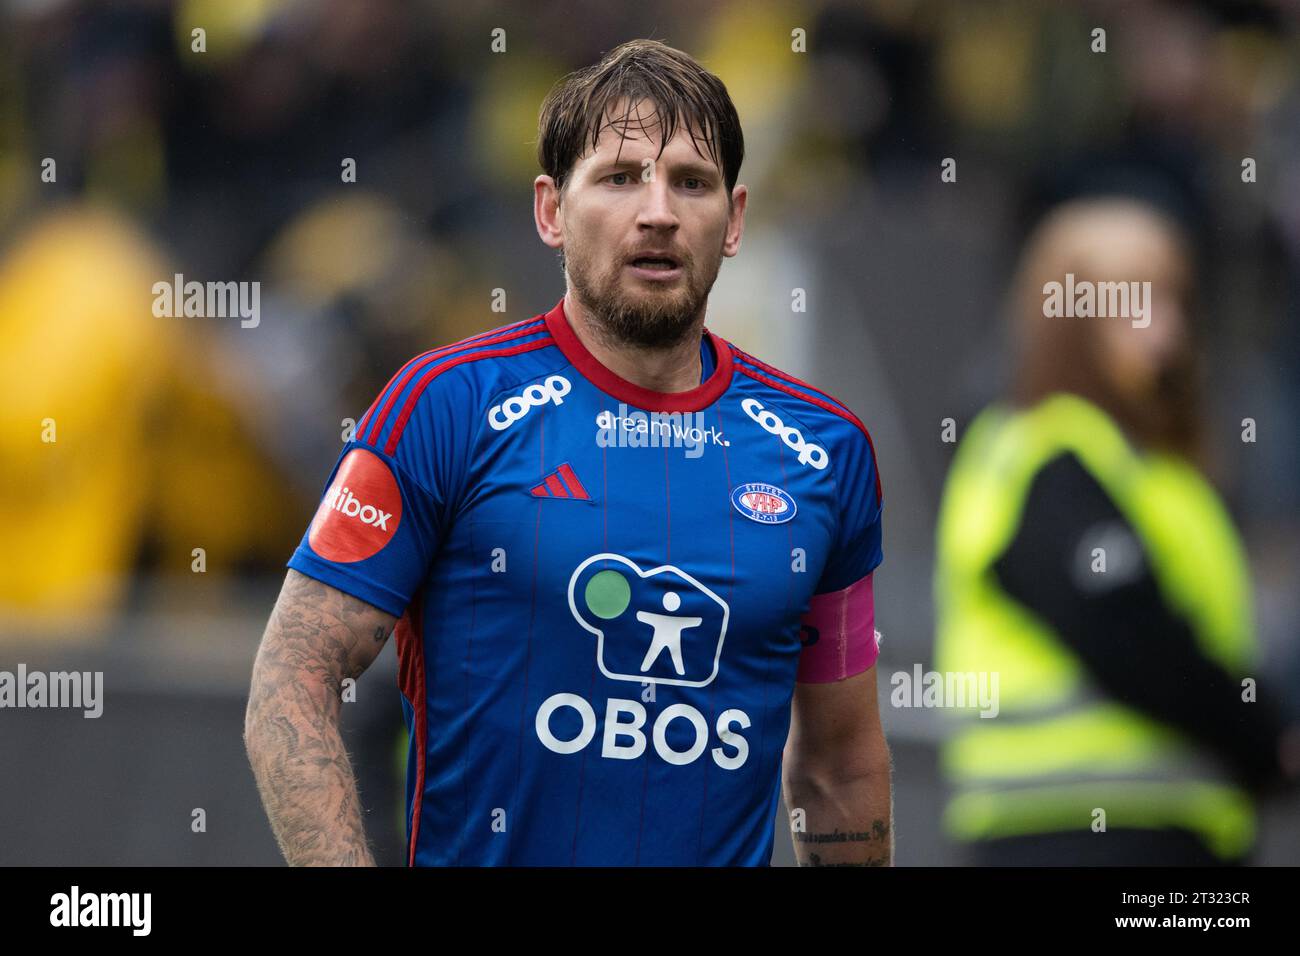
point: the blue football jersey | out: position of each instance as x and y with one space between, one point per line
601 591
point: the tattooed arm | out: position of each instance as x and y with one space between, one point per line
836 775
317 636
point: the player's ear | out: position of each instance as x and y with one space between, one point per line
735 220
546 211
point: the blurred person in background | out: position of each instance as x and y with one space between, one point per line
1085 560
120 448
125 448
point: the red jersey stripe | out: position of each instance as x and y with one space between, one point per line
786 376
411 678
571 479
462 343
408 371
847 416
430 374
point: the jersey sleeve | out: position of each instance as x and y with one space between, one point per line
839 627
856 549
385 506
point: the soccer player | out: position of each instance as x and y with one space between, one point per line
628 565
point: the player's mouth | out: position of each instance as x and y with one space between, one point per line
656 267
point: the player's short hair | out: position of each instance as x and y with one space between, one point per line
580 105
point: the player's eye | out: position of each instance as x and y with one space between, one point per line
700 184
615 175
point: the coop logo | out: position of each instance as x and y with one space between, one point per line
502 416
660 626
361 511
766 504
807 453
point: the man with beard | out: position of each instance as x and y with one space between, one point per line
630 565
1083 558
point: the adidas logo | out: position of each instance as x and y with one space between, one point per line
561 483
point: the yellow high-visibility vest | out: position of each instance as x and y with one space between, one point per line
1059 749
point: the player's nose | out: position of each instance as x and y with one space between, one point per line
656 210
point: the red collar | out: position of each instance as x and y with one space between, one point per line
697 399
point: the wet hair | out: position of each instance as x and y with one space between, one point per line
583 103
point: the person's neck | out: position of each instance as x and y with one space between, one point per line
676 368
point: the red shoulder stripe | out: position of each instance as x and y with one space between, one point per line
414 366
409 407
787 377
441 349
846 415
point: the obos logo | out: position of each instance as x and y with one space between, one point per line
502 416
360 512
622 605
809 454
660 626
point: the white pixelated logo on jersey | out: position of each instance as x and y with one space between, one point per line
660 626
552 390
360 512
806 452
652 627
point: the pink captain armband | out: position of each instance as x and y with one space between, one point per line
844 623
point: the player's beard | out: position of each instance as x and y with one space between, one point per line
644 316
